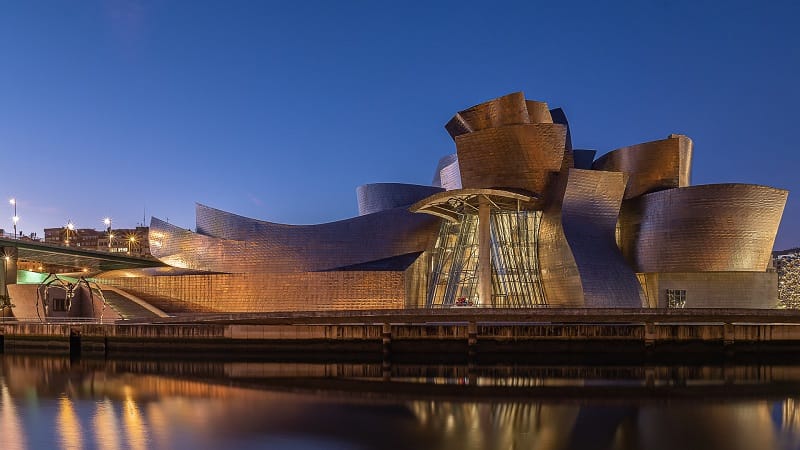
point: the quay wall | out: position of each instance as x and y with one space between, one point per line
384 338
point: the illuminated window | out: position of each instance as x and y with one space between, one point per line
676 298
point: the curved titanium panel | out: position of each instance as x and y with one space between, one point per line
510 109
229 243
448 175
377 197
516 156
538 112
589 214
708 228
559 273
558 116
651 166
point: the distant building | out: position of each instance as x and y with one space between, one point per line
787 264
133 241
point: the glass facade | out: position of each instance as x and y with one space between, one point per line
515 264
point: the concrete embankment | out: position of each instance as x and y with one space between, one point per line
377 335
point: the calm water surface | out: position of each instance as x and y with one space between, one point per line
57 403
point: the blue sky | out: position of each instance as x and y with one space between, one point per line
278 110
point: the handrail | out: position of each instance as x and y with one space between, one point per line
58 320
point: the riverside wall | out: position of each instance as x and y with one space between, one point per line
378 335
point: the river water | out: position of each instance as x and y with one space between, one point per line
50 402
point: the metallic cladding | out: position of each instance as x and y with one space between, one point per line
559 272
514 156
589 213
559 116
707 228
444 161
229 243
651 166
268 292
376 197
510 109
538 112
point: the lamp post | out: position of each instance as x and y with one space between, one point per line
69 229
13 203
131 243
107 222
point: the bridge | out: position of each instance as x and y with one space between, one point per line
77 257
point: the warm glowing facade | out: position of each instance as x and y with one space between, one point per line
515 218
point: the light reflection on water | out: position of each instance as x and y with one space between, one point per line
55 403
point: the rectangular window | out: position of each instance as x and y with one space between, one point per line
676 298
59 304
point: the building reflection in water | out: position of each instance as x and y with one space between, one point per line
68 425
94 406
106 426
12 431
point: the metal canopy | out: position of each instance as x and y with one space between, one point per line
450 205
78 258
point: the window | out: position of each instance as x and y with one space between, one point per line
676 298
59 304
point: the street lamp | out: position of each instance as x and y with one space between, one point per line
13 203
107 222
131 242
69 229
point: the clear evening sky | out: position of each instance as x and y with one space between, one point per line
278 110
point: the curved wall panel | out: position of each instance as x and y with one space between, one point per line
589 214
234 244
448 175
651 166
510 109
559 273
538 112
708 228
516 156
377 197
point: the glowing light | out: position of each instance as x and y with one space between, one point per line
15 219
133 422
106 426
69 425
70 226
11 427
107 221
13 201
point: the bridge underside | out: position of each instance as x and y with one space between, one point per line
71 257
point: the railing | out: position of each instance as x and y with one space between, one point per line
20 237
59 320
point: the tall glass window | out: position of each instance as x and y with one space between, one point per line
516 280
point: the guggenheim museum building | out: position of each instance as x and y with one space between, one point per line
515 218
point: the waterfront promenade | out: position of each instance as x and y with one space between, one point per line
452 332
